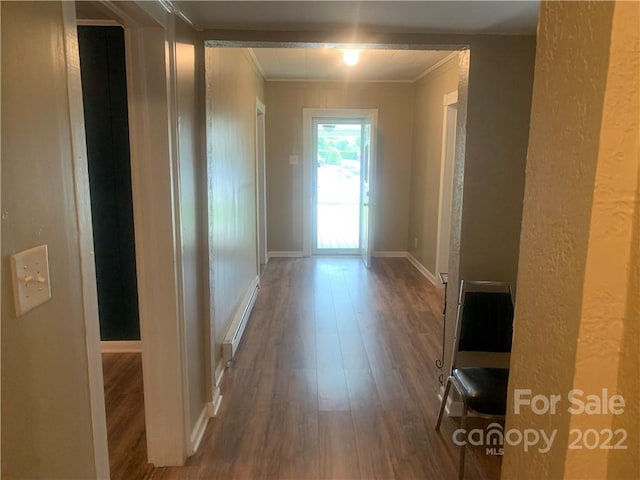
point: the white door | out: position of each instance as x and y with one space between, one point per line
367 190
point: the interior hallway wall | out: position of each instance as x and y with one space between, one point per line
426 160
285 102
46 406
233 83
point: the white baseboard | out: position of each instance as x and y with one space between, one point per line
214 405
423 270
121 346
240 320
219 373
390 254
285 254
198 430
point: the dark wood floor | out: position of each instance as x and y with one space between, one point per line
124 402
335 379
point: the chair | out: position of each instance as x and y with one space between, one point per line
484 324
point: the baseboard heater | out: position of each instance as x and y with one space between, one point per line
239 323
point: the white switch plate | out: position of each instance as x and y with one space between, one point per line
30 276
293 159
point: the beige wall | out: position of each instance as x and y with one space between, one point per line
46 416
577 305
498 112
232 86
189 63
426 160
490 164
285 102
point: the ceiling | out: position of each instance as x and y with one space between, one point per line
453 16
327 64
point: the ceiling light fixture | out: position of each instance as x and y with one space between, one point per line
351 57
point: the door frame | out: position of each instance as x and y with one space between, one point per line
449 105
261 185
308 114
149 52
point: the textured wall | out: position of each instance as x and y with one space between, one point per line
285 102
607 346
233 84
46 415
577 303
426 160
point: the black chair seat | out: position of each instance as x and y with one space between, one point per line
484 388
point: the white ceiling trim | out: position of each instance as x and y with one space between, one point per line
257 63
170 7
250 56
436 65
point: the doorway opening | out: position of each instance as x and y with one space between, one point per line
339 181
337 147
153 130
105 102
104 88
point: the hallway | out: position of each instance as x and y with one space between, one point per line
335 378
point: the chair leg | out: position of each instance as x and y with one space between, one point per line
463 426
443 403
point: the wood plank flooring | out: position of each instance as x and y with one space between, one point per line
124 402
335 379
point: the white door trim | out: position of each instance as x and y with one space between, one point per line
308 114
449 102
155 204
261 186
85 243
149 44
174 124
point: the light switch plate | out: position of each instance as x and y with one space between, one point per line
30 276
293 159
